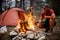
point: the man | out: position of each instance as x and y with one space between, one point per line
47 18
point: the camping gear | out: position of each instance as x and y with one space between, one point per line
10 17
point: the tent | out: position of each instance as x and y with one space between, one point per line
10 17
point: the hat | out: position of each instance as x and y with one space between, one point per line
45 5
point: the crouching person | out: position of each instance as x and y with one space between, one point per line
47 18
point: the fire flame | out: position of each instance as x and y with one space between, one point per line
27 24
30 20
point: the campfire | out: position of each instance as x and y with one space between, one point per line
27 24
26 29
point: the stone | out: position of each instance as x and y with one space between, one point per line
12 33
3 29
16 29
30 35
21 34
42 38
27 39
37 36
20 37
15 38
28 32
23 39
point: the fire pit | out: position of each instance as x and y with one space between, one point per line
26 30
29 35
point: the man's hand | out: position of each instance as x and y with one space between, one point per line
39 24
39 21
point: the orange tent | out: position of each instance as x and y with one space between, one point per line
10 17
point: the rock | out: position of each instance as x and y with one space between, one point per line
42 38
30 35
28 32
3 29
28 39
48 34
37 35
16 30
14 38
17 38
22 35
13 33
23 39
43 34
56 29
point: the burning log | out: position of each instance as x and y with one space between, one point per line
23 26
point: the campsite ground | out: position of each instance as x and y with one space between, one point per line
56 31
55 35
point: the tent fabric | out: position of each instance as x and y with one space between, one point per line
10 17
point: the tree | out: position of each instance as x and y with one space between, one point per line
1 1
